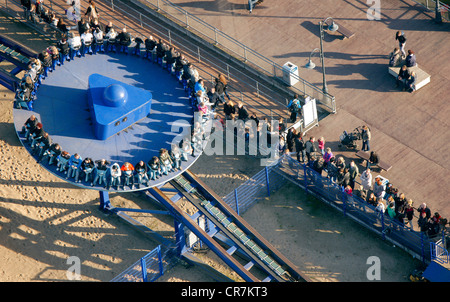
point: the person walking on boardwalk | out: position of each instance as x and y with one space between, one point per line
400 37
366 136
310 148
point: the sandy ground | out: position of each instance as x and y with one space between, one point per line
44 221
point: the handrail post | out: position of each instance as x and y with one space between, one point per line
143 270
236 199
267 181
160 262
215 36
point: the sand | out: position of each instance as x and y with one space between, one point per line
45 220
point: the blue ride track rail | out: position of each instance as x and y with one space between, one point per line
231 237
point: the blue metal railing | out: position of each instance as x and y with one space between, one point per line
414 242
149 268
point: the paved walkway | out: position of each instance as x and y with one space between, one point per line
410 131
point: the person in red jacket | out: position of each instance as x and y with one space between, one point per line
128 174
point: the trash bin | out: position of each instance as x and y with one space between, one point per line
290 73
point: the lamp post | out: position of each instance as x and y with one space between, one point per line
310 65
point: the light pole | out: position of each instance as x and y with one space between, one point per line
310 65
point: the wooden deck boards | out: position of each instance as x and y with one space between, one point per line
410 131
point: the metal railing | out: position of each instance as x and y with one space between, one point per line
236 49
431 5
416 243
149 268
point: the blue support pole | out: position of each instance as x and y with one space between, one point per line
306 178
160 262
344 203
144 270
267 181
105 204
179 237
422 244
382 226
236 199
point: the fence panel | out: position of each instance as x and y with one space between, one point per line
150 267
416 243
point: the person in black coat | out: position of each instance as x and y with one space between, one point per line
124 39
300 147
310 148
242 112
100 172
229 109
141 171
150 44
400 37
290 139
46 60
402 77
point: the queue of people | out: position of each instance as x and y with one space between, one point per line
91 38
377 192
101 172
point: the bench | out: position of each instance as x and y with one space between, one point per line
422 78
344 31
381 164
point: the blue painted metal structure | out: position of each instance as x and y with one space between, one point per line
17 54
62 107
226 228
115 106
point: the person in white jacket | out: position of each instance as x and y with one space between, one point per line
74 45
111 38
366 180
115 174
86 39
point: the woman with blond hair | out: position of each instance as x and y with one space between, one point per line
229 109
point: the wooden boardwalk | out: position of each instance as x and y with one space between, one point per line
410 131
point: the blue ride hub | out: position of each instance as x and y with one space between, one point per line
115 106
62 106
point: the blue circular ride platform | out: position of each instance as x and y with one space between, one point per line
63 107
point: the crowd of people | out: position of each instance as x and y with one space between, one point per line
101 172
89 37
405 79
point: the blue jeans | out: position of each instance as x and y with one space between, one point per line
114 181
153 174
88 174
100 176
141 176
62 164
127 176
365 145
73 172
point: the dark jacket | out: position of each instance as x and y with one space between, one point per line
309 147
63 47
124 38
228 109
404 74
299 144
411 60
